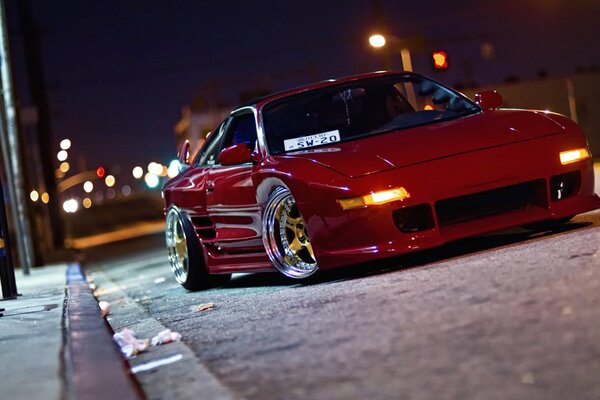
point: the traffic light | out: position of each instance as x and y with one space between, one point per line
440 59
100 172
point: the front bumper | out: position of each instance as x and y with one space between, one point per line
353 236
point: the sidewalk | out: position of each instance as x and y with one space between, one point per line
55 345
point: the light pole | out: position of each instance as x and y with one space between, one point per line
391 44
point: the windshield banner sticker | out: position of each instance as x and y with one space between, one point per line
312 140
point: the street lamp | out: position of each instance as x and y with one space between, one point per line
377 40
395 45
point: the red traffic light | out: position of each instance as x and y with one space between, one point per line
440 59
100 172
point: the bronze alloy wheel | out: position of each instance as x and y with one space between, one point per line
285 236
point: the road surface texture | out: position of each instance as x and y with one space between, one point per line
513 315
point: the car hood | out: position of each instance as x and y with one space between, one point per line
410 146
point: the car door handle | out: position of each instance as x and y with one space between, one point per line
210 186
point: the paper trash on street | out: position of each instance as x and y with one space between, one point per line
166 336
129 344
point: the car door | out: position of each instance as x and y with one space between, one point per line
189 190
231 195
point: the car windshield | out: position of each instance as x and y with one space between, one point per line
358 109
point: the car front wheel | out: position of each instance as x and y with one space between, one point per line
285 236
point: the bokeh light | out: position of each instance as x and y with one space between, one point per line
62 155
138 172
88 186
71 206
64 167
110 181
151 180
65 144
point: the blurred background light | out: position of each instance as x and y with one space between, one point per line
64 167
88 186
70 206
138 172
173 169
151 180
65 144
62 155
34 195
110 181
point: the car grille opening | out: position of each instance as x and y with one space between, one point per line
414 219
565 185
496 201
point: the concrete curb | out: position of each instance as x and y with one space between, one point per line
162 382
93 362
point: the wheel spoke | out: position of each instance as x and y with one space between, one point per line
296 245
181 248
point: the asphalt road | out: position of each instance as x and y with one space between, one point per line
513 315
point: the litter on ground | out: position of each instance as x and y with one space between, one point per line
204 307
129 344
166 336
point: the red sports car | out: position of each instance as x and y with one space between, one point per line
365 167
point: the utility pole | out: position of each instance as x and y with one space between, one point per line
9 141
35 73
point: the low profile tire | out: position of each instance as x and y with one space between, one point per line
285 237
186 254
548 225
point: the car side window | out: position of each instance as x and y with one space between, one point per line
210 151
242 129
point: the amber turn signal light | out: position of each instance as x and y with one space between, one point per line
571 156
375 198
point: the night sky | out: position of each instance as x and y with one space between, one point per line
119 72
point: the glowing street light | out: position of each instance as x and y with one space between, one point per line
34 196
377 40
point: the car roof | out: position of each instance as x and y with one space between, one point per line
260 101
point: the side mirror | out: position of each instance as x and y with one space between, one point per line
488 100
184 153
236 154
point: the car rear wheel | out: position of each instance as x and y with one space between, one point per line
285 236
185 254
